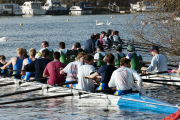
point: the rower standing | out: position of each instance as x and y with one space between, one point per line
123 79
158 62
135 58
45 45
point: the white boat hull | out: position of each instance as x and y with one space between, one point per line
34 12
80 12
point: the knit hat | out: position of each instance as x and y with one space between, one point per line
130 48
119 47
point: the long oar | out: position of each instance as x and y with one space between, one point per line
40 79
37 98
23 70
163 83
155 73
10 83
150 80
12 75
73 82
20 92
150 63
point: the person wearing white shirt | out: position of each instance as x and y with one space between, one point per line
45 45
100 56
72 69
62 48
83 71
123 79
158 62
116 38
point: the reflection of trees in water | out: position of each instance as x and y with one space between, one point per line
158 27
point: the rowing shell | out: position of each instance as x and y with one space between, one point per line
134 100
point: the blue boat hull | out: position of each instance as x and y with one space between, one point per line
143 102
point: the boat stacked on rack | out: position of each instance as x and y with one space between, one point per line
134 100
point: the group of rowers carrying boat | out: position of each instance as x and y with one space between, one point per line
114 70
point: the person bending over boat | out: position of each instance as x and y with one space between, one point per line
27 75
99 56
39 65
83 71
72 69
123 78
158 62
45 45
64 58
16 62
104 72
90 45
76 48
51 73
2 63
118 55
135 58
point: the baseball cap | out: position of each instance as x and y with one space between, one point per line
154 47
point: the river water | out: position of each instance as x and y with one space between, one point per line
55 29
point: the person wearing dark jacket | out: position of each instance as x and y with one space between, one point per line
90 45
76 48
39 65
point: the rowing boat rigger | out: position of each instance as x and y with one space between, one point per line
134 100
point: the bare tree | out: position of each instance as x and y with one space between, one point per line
159 27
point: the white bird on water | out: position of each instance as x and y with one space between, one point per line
99 23
165 21
144 22
108 23
3 39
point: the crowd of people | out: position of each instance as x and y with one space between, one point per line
107 70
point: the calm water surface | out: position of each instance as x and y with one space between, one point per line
55 29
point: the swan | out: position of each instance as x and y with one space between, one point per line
165 21
99 23
151 22
108 23
144 23
177 18
3 39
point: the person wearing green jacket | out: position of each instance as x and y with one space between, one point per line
135 58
